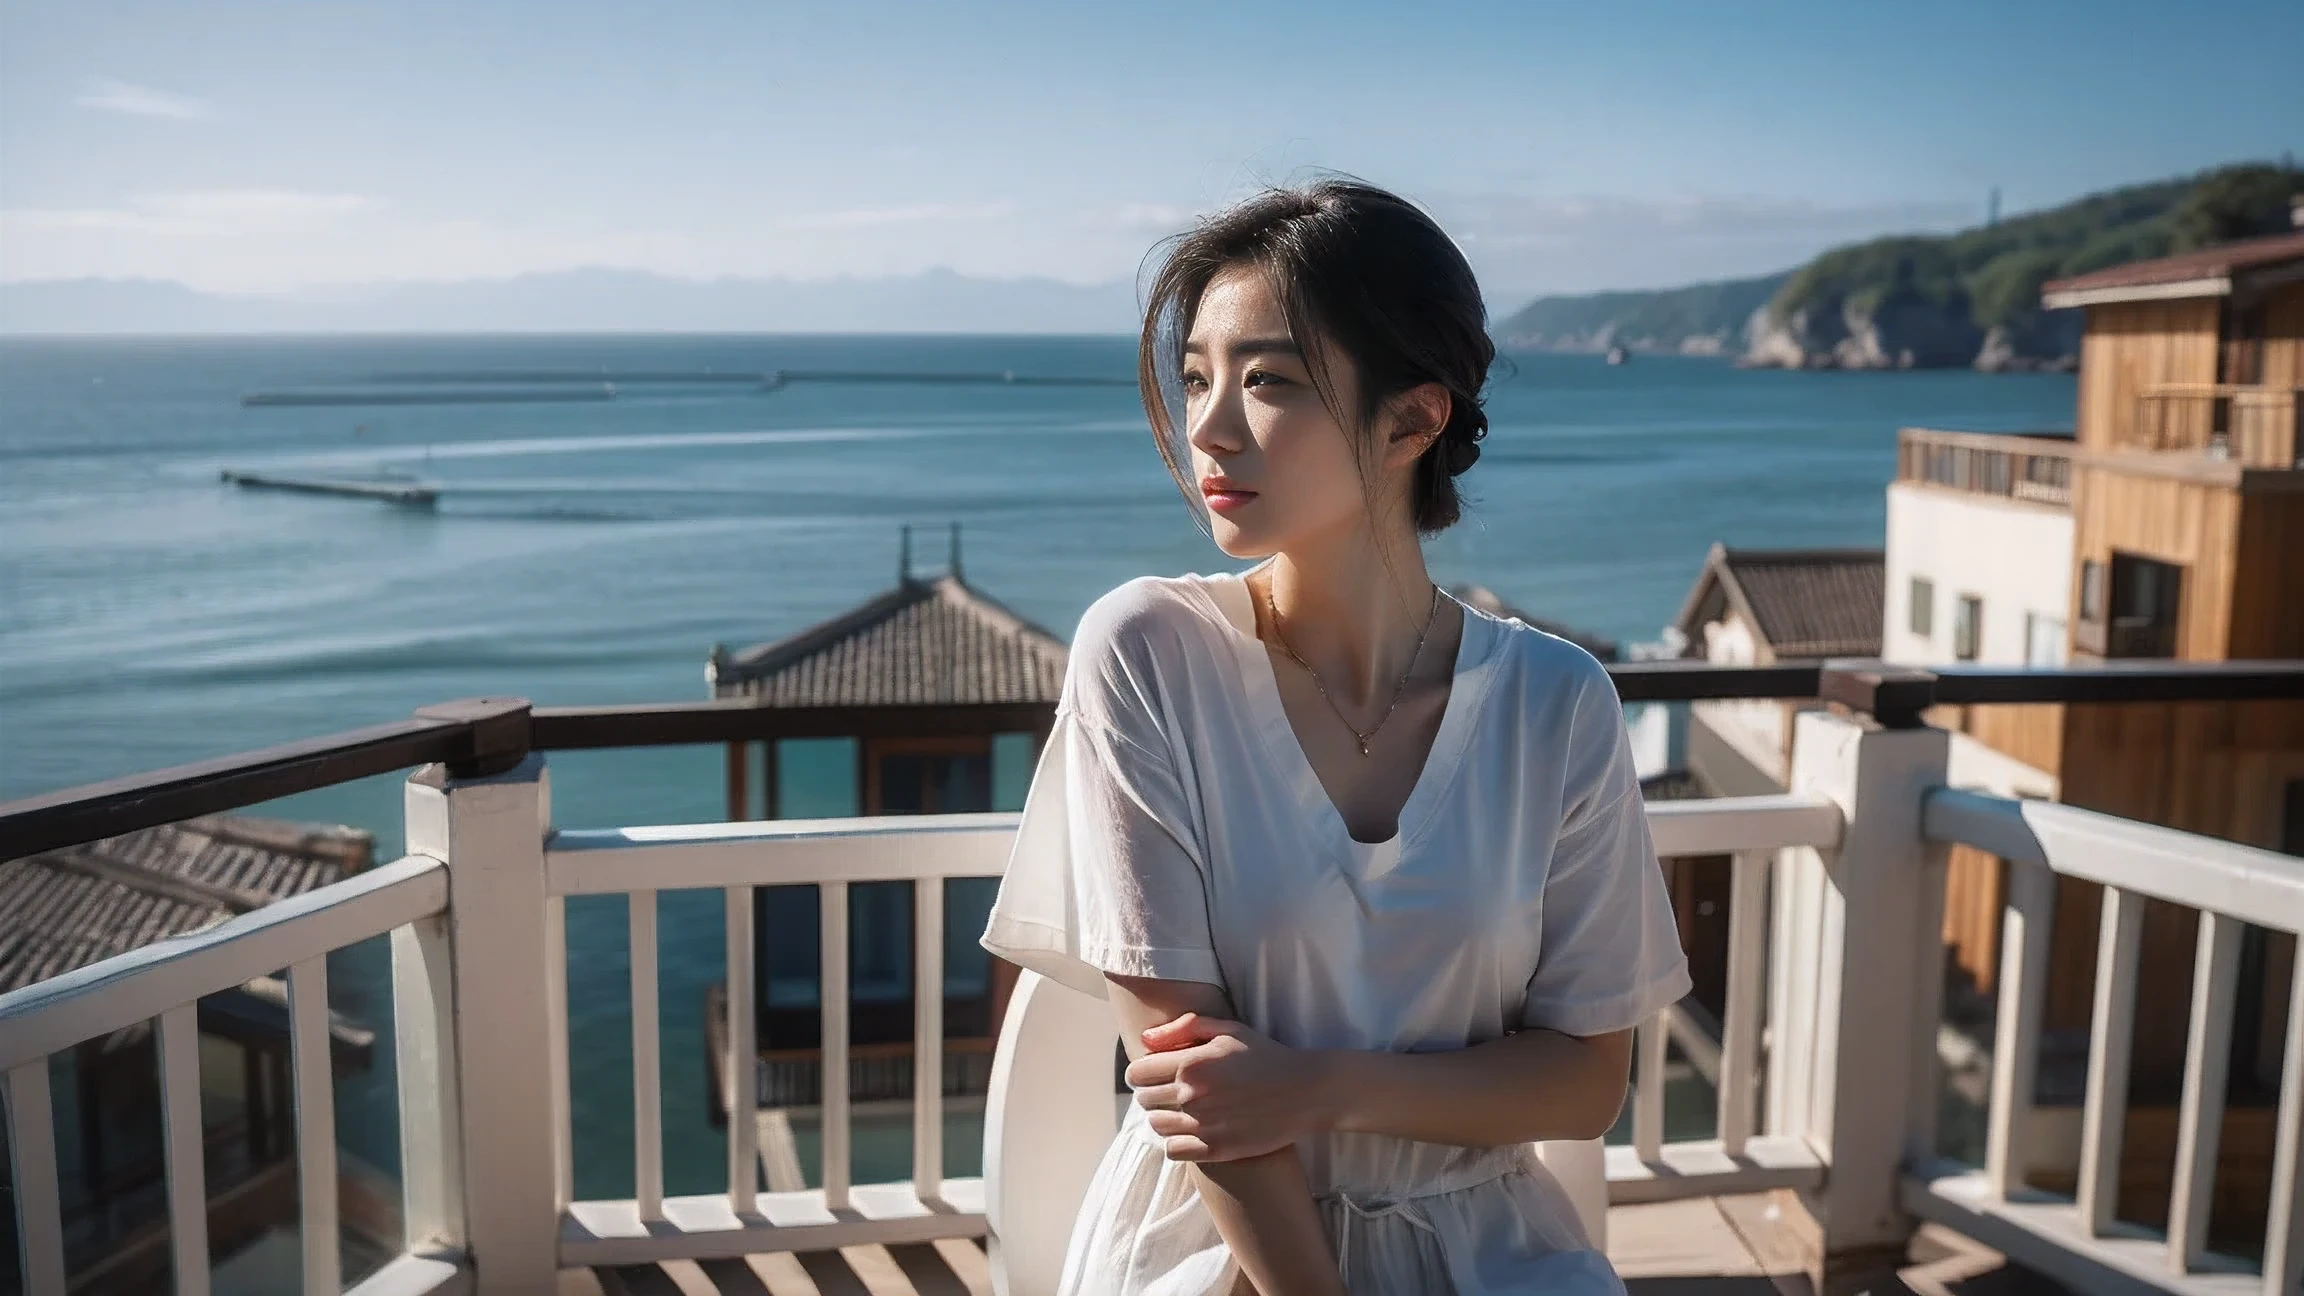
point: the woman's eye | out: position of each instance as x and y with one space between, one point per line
1194 382
1259 377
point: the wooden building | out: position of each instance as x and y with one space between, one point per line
65 909
929 698
2168 525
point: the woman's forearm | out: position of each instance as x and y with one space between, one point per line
1262 1205
1526 1087
1263 1208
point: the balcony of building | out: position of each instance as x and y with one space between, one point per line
2250 426
2034 467
1828 1128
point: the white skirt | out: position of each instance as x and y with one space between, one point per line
1404 1218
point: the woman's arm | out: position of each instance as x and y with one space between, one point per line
1262 1203
1523 1088
1222 1090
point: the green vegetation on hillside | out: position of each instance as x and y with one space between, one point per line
1988 277
1997 270
1663 320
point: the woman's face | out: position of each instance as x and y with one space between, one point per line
1275 470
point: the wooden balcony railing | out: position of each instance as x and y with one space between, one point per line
1837 889
2037 469
2251 426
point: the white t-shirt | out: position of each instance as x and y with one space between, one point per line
1175 829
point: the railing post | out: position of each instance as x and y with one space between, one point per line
489 829
1855 982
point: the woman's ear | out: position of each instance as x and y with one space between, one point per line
1419 416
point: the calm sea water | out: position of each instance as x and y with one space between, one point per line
592 553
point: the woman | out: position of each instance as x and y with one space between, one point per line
1363 871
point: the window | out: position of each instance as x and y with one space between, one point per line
1967 626
2043 640
2146 595
1923 611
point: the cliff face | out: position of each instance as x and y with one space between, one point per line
1907 331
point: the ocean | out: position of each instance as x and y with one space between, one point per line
593 552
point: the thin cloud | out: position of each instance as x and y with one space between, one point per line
107 94
917 214
203 212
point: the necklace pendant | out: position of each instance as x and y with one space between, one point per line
1363 746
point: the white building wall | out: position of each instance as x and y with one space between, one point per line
2014 556
1754 728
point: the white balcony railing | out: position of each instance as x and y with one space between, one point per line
1826 1074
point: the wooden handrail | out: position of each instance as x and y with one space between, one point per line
490 734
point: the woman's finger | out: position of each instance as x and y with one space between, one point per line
1152 1069
1185 1147
1163 1097
1169 1124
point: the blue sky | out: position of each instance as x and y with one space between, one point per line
265 147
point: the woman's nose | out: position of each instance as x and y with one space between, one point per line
1215 425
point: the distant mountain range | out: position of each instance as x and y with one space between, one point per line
582 301
1907 301
1925 301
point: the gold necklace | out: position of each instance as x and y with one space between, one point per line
1397 690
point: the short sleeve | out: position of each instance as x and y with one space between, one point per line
1610 955
1107 875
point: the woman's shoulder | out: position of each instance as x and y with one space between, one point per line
1143 615
1543 657
1554 683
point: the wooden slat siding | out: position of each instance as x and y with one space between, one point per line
2205 1070
1648 1090
32 1174
181 1132
2030 732
2282 364
2284 1236
928 1036
832 1012
2193 524
2268 593
2131 345
742 1082
2016 1032
1747 975
315 1091
1976 890
2105 1113
647 1067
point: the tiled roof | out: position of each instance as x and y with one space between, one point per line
1803 603
2216 262
1490 602
64 909
928 642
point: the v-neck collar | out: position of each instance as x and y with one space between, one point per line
1235 607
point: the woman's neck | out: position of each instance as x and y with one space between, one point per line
1354 614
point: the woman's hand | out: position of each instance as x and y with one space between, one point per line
1219 1091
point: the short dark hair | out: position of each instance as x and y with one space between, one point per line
1361 269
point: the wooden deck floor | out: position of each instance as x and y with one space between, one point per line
1716 1246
